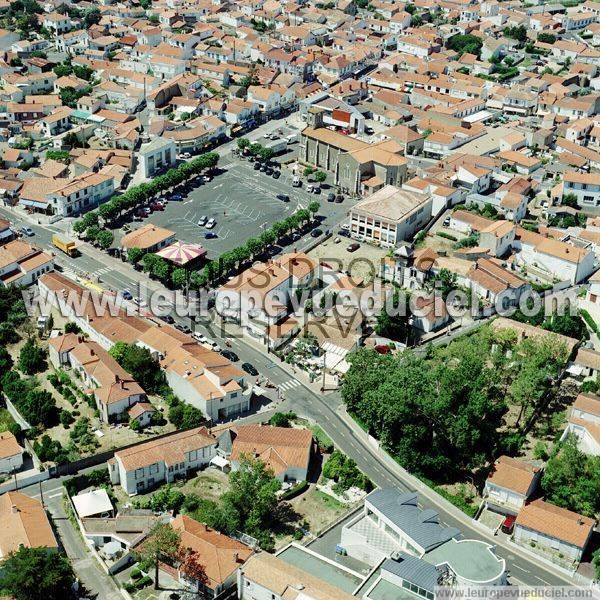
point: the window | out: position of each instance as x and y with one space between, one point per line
154 468
139 473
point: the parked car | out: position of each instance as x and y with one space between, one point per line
344 232
210 235
309 188
202 221
339 198
127 294
330 197
316 232
316 190
228 354
296 182
276 174
210 223
157 206
250 369
168 319
446 222
353 247
369 130
256 166
206 178
27 231
177 197
283 197
183 328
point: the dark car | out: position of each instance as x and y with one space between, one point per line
339 198
210 235
344 232
251 370
283 197
176 198
268 171
317 190
168 319
184 328
229 355
330 197
316 232
353 247
138 266
256 166
276 174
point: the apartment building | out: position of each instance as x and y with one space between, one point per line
390 216
145 466
259 297
80 194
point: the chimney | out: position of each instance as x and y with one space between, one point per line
122 385
236 557
14 509
117 378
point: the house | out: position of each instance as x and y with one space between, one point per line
24 523
157 155
267 577
556 530
550 259
149 237
221 555
22 263
145 466
285 451
392 523
113 389
389 216
11 454
584 186
510 484
584 423
81 193
498 237
142 412
492 282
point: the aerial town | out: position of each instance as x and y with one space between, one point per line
299 300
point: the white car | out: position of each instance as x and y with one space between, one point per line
210 223
199 337
202 221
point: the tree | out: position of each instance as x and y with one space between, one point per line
445 281
105 238
193 569
320 176
394 326
179 277
308 170
572 479
60 155
185 416
32 358
546 38
280 419
162 541
465 44
517 32
134 254
243 143
91 17
416 21
314 207
138 362
37 574
6 361
255 246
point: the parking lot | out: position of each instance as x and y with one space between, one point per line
243 202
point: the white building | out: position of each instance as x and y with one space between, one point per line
80 194
584 423
143 467
156 155
510 483
11 454
389 216
556 530
584 186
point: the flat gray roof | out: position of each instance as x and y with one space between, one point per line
472 560
414 570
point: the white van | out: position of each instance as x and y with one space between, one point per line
296 182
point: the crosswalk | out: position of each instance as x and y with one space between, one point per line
288 385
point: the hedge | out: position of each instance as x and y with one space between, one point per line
443 234
295 490
589 320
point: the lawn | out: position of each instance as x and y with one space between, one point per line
6 420
209 484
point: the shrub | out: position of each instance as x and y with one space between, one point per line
447 236
298 488
588 319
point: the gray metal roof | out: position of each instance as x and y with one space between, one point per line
414 570
402 510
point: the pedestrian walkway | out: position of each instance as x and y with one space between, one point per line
289 384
